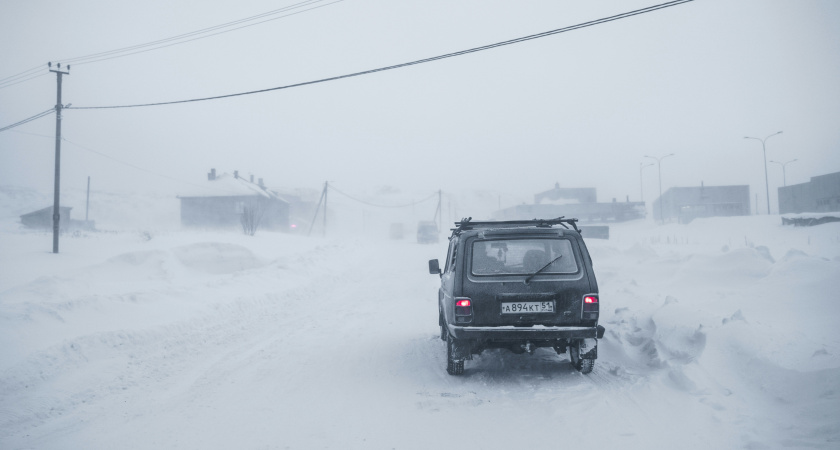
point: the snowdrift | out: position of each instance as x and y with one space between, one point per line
720 334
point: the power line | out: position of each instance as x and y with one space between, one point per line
135 167
33 134
383 206
420 61
30 119
22 74
18 81
181 38
170 41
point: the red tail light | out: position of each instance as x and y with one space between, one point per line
463 310
590 307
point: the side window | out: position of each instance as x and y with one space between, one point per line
450 256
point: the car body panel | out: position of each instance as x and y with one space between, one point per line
565 280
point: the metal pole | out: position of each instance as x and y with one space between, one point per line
764 152
87 201
641 184
784 167
661 215
766 182
659 167
57 188
326 188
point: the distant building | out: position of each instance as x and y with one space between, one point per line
821 194
579 203
688 203
227 197
43 218
560 195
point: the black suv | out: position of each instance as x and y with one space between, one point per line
518 285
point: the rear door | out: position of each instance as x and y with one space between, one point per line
525 280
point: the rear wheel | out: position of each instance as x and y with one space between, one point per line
581 365
453 366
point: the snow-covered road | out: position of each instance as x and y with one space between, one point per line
719 335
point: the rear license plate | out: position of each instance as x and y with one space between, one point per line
527 307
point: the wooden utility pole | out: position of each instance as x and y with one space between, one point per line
318 208
58 108
438 213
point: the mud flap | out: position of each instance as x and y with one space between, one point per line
461 349
588 349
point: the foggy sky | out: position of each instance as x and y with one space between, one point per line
580 108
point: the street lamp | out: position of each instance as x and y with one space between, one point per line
659 166
764 149
641 188
784 175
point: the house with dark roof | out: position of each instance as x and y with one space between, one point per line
43 218
223 200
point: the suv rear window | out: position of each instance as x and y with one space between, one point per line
522 256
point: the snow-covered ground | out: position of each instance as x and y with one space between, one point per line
720 334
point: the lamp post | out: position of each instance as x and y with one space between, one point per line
764 150
659 167
641 185
784 175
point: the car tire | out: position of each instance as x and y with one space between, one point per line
581 365
453 366
443 331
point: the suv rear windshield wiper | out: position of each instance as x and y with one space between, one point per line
541 269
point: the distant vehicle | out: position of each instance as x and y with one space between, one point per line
396 231
518 285
427 232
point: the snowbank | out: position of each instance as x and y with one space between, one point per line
720 334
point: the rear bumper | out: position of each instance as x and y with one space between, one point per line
511 333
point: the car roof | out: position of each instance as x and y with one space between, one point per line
514 226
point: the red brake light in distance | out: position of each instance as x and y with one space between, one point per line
465 302
590 299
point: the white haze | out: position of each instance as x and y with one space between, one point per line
580 108
720 333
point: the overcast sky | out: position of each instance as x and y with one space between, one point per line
580 108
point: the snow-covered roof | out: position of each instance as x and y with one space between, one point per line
816 215
227 185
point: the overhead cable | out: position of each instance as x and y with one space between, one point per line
420 61
30 119
18 81
22 74
195 35
137 167
170 41
382 206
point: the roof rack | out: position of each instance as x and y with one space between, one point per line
468 224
